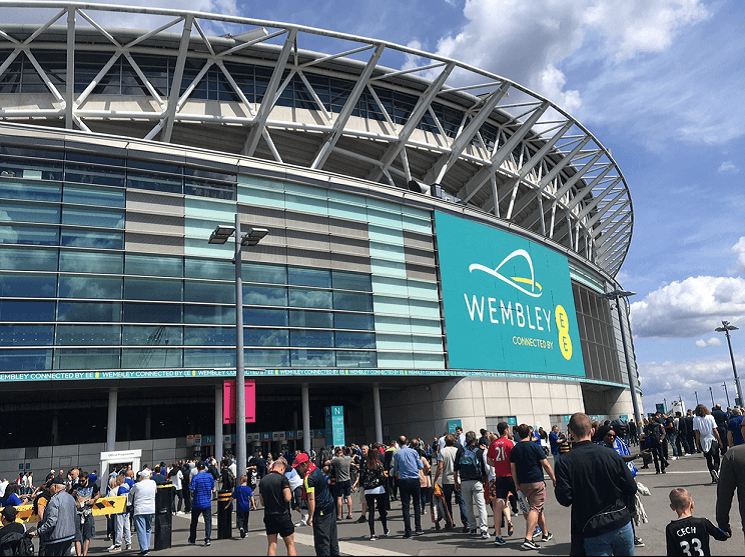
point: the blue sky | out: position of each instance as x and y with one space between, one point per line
659 83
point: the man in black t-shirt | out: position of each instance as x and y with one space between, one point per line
275 498
321 506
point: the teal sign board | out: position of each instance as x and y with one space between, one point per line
452 424
508 302
335 425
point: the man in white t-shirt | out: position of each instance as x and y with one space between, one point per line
446 470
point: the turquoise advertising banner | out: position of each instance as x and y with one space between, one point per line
508 302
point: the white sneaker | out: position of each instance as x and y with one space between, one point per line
112 546
301 524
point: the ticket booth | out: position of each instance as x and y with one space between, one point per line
116 459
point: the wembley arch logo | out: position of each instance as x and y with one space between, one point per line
536 290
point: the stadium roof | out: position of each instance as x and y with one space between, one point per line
263 90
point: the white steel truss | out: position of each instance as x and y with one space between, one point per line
493 143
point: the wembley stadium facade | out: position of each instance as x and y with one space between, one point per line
438 236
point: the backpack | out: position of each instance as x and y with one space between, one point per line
657 433
470 465
228 483
16 543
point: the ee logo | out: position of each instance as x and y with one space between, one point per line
565 341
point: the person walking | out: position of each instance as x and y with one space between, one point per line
321 506
143 502
372 480
245 502
275 493
57 529
731 479
201 487
707 439
599 487
498 456
406 466
470 477
527 464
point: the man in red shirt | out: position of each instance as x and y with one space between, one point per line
498 456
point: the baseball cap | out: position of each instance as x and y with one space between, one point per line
59 480
10 513
145 473
300 459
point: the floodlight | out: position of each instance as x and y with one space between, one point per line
221 234
253 236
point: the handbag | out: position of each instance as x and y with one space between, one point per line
598 523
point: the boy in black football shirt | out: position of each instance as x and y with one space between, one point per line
689 535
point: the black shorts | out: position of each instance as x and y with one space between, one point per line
343 489
503 486
279 524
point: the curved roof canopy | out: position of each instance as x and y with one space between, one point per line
263 90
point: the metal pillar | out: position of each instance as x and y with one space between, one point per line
378 414
219 449
111 421
307 437
240 377
632 380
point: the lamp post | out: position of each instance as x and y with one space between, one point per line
712 397
726 328
726 393
696 393
617 295
219 236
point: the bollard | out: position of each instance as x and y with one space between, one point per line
163 516
224 515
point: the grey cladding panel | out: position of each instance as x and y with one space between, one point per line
152 243
138 200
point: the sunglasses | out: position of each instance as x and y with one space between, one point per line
612 436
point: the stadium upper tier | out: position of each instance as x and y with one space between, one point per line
434 126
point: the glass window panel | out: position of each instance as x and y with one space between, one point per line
28 286
352 301
152 289
151 313
309 277
91 262
154 266
86 358
90 287
209 269
314 319
89 217
264 295
355 340
203 358
11 189
270 274
266 337
92 239
89 311
171 184
312 339
151 358
265 317
303 298
211 292
214 315
268 359
133 335
104 197
26 311
80 335
209 336
29 213
358 321
28 259
94 175
356 359
26 335
32 235
311 358
25 360
352 281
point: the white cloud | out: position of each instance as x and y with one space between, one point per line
728 167
713 341
739 249
673 379
689 308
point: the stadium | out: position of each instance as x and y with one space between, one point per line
438 239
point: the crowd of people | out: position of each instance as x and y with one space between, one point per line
504 470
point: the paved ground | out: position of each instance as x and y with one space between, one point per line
689 472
